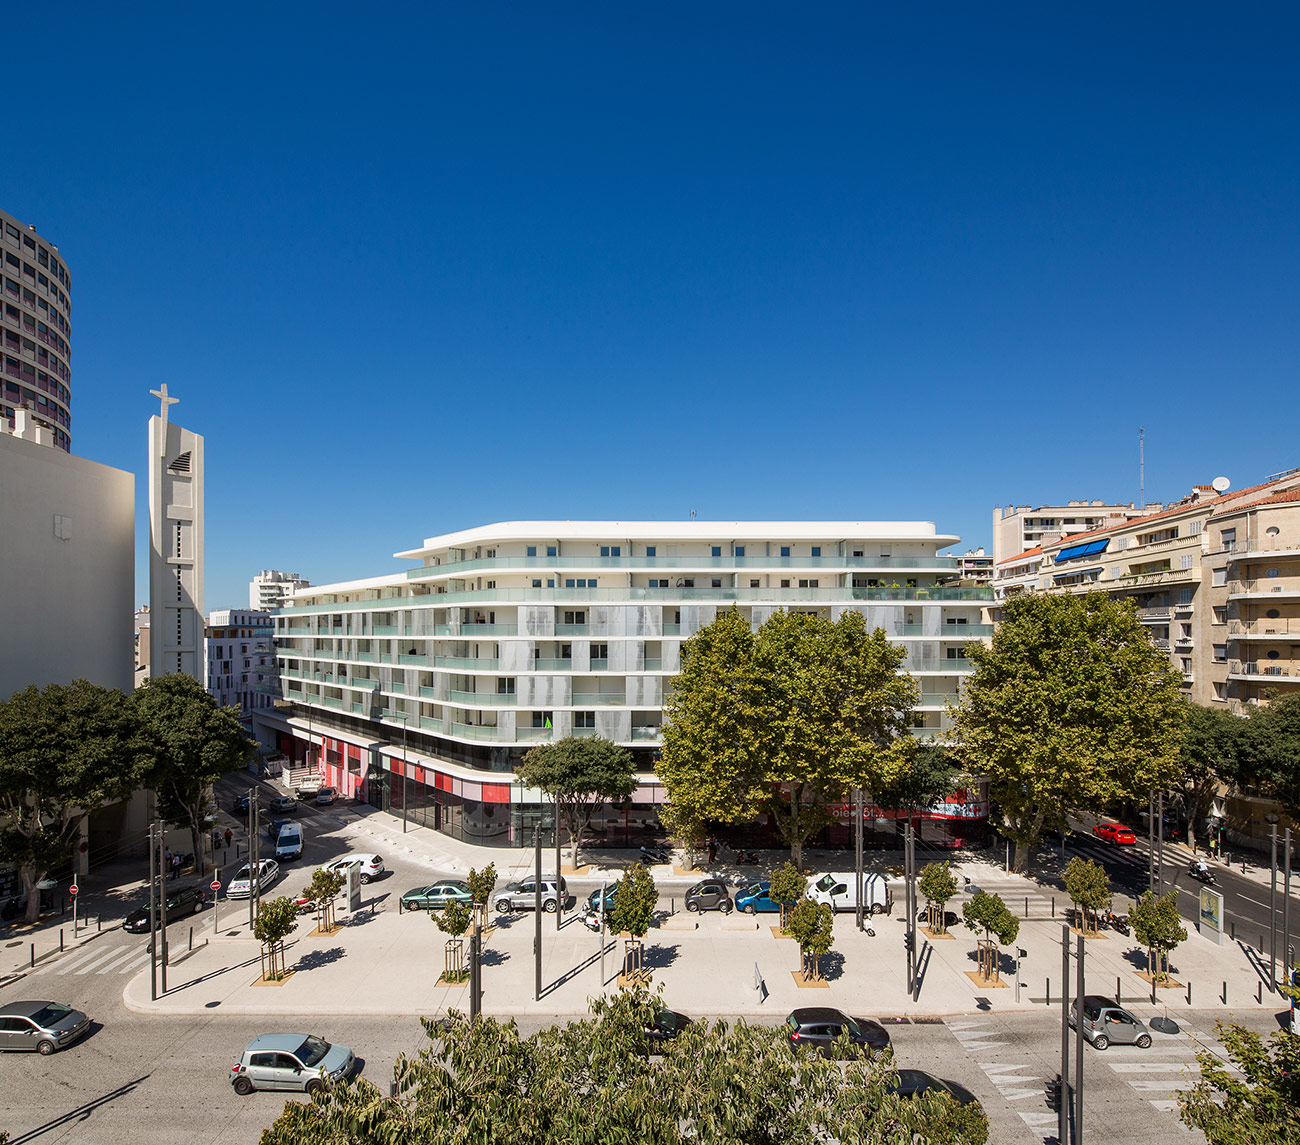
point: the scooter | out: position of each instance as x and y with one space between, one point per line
1204 876
591 920
746 858
655 856
1117 922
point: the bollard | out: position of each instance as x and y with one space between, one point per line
1053 906
1225 993
399 904
1119 1000
99 923
1026 906
191 938
1259 993
1232 927
1189 991
1049 992
33 955
60 940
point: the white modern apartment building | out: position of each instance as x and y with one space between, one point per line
422 690
239 659
270 589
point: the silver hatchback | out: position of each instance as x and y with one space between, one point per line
1105 1022
290 1061
40 1026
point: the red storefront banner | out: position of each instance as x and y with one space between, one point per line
962 804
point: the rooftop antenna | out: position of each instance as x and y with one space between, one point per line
1142 470
692 514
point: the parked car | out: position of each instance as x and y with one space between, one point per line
369 866
1114 833
820 1026
40 1026
326 795
594 899
665 1026
757 897
290 1061
309 787
915 1082
836 891
709 894
180 901
282 805
240 805
522 895
241 885
274 825
16 907
437 895
1105 1022
288 843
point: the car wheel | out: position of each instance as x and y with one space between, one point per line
1144 1042
878 908
692 906
313 1086
45 1048
503 906
1100 1042
725 906
549 906
749 909
198 906
365 878
243 1086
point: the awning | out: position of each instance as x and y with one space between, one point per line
1088 549
1076 572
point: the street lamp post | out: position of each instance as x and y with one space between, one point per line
403 717
1271 817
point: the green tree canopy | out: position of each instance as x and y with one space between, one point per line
812 926
1270 751
1088 885
1253 1098
788 886
64 751
590 1082
453 919
191 741
987 912
322 890
938 884
1209 758
1159 927
1071 708
932 775
276 919
579 773
634 905
785 719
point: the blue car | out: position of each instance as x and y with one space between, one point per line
593 899
757 897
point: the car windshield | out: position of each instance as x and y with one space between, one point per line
755 890
242 873
853 1028
312 1050
51 1015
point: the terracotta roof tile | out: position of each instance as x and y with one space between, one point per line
1021 556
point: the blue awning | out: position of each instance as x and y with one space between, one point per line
1087 549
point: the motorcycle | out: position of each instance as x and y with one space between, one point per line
1203 876
1117 922
655 856
746 858
592 921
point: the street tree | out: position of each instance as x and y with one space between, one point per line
987 912
276 920
589 1081
1071 708
1252 1098
633 910
938 884
323 890
1209 759
787 888
812 926
191 741
785 720
932 776
684 823
579 774
64 752
1270 750
1159 927
481 885
454 920
1088 885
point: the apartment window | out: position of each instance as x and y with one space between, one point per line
1185 561
688 582
600 651
611 550
656 582
1220 613
1219 688
531 551
651 550
957 621
1185 664
571 617
1220 577
808 583
541 719
753 584
1194 528
537 582
816 550
716 582
717 550
1220 653
566 651
785 584
954 653
785 550
550 582
491 584
740 550
859 552
552 550
584 719
506 686
1229 538
1185 595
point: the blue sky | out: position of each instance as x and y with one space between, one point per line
412 268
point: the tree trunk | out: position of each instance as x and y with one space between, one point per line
197 841
575 840
30 880
1020 858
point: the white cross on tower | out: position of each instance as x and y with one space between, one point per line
161 395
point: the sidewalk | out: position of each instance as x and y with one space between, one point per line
383 963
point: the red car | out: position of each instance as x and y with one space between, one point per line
1114 833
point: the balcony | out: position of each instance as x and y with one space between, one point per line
938 700
474 731
651 734
599 665
1265 588
467 663
684 563
430 725
384 630
1264 629
532 735
1155 613
1143 579
596 699
637 594
428 693
482 699
562 665
1263 670
1276 548
470 631
951 664
945 631
573 630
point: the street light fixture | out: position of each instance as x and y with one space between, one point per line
1271 819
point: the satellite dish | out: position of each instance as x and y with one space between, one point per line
1221 484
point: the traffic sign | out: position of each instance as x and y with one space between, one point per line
72 890
214 885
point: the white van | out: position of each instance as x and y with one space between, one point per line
288 844
836 891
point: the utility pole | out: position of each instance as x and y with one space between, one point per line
153 915
1160 842
857 849
162 909
476 972
909 871
1151 841
1272 906
1063 1113
555 828
537 912
1286 907
253 848
1078 1043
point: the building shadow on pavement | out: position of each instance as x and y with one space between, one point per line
315 958
81 1113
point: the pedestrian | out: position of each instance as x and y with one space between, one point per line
228 836
167 858
713 849
1214 846
176 864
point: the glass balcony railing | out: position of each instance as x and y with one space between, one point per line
573 630
474 731
428 693
482 699
957 664
430 725
646 733
703 563
473 631
938 700
599 665
597 699
528 735
467 663
562 665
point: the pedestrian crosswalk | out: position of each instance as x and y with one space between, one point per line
97 959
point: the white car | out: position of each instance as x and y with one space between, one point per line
370 866
241 886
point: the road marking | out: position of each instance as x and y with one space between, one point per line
1005 1075
1041 1124
1153 1067
126 966
81 965
1162 1086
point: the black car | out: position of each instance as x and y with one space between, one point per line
180 901
667 1024
709 894
240 805
819 1026
915 1082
